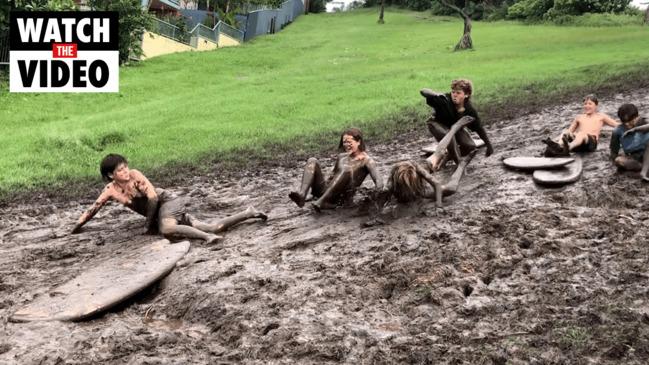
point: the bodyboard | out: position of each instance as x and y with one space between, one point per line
537 163
565 175
431 148
105 285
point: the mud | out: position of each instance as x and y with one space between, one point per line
506 273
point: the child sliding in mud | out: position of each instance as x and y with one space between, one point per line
449 109
410 181
164 212
633 137
583 133
351 168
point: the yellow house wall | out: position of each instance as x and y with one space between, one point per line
156 45
205 45
227 41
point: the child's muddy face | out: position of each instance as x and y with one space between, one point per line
589 107
121 173
350 144
458 97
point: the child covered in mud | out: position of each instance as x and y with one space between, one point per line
633 137
351 168
164 212
410 181
448 109
583 133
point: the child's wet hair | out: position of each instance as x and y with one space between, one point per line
463 84
109 164
407 185
591 97
356 134
627 112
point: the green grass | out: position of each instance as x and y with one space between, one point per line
321 74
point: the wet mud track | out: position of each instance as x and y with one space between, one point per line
506 273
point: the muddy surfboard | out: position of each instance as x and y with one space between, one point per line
537 163
565 175
431 148
105 285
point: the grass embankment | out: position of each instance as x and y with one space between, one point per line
291 90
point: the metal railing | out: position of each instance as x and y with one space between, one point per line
231 31
209 33
4 49
170 31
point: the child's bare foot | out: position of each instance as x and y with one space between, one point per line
256 214
212 238
319 206
297 198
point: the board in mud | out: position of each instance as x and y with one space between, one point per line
537 163
105 284
565 175
431 148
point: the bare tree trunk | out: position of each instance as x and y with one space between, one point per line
646 14
381 21
465 42
227 7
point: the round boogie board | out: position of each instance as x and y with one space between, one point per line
565 175
431 148
537 163
105 285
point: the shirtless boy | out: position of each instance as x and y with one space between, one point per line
164 212
583 133
450 108
633 137
351 168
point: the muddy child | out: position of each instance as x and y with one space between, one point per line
583 133
410 181
351 168
164 212
633 137
448 109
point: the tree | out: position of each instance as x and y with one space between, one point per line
133 21
646 13
381 21
465 42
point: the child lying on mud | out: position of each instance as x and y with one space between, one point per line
351 168
450 108
164 212
583 133
633 137
410 180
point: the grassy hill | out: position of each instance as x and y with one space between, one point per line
321 74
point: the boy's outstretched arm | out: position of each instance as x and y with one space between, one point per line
88 214
483 136
641 129
615 143
610 121
374 173
433 182
144 185
573 126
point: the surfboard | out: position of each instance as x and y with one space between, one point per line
431 148
105 285
537 163
565 175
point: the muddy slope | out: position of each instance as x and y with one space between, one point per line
507 272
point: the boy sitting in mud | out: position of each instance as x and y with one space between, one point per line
449 108
583 133
164 212
633 137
